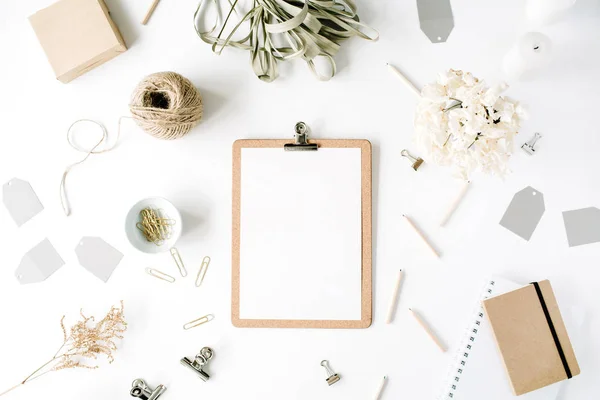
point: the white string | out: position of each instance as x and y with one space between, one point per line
64 201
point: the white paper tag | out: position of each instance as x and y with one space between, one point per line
524 212
39 263
97 256
20 200
582 226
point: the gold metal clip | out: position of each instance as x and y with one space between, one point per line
178 262
416 161
160 275
332 377
202 271
199 321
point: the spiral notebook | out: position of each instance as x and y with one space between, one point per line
478 372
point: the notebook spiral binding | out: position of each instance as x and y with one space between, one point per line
462 355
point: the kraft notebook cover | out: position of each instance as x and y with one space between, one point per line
532 337
477 372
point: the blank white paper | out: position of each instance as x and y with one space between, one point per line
300 234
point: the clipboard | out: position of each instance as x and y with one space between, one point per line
304 261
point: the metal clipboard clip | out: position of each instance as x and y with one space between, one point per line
301 140
141 390
529 147
199 362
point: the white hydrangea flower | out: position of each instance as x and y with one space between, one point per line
465 125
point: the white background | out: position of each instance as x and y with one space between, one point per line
363 101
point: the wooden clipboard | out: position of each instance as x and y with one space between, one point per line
366 216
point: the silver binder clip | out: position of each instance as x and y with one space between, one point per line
140 390
332 377
416 161
301 140
200 361
529 147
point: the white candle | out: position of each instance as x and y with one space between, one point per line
542 12
528 56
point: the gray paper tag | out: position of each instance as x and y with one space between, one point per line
39 263
582 226
524 212
20 200
97 256
436 19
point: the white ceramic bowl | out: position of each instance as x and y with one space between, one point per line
135 236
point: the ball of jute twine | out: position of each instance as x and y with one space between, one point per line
166 105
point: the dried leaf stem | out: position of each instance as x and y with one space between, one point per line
85 341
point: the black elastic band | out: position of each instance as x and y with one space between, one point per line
561 353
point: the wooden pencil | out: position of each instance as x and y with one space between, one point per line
380 389
428 330
455 204
404 80
394 300
150 12
418 231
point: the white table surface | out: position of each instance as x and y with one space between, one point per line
363 101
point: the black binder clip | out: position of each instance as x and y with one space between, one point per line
201 359
140 390
301 141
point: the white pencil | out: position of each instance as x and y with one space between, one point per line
394 302
427 242
428 330
404 80
455 204
150 12
380 390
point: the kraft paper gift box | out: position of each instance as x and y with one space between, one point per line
532 337
77 36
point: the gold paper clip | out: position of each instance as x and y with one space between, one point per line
178 261
160 275
199 321
202 271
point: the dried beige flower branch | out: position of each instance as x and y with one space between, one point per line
83 344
